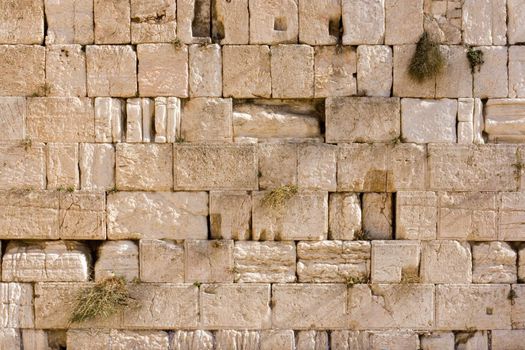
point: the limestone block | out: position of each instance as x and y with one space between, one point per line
319 22
364 22
139 119
273 22
447 262
23 67
179 215
307 306
377 216
316 167
167 119
65 70
395 261
246 71
112 21
394 340
236 340
362 119
518 308
116 339
199 339
22 165
349 340
111 70
133 159
472 168
521 265
416 215
271 340
16 306
380 306
13 112
462 307
492 78
205 77
333 261
465 132
311 340
426 121
230 215
517 71
153 21
161 261
10 338
344 216
380 167
472 340
62 166
109 119
335 71
163 70
507 339
456 78
504 119
207 120
438 341
403 21
292 68
485 22
443 21
97 166
277 165
215 167
46 261
208 261
117 258
35 339
374 69
69 22
467 216
231 22
22 22
516 24
265 262
227 306
305 217
511 212
82 215
466 110
494 262
194 18
404 84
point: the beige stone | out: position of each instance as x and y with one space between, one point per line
416 215
161 261
312 340
349 340
484 22
153 21
403 21
344 216
316 167
180 215
335 70
377 216
404 84
22 165
517 71
446 262
362 119
16 306
271 340
319 22
167 119
207 120
516 25
307 306
97 166
133 159
139 119
109 119
69 22
395 261
438 341
472 340
10 338
13 113
208 261
112 21
292 69
511 211
194 20
456 78
62 166
507 339
428 121
504 120
492 78
394 340
82 215
518 308
264 262
230 215
236 340
35 339
117 258
199 339
231 22
277 165
374 69
22 22
494 262
65 70
23 68
364 22
111 70
205 77
521 265
273 22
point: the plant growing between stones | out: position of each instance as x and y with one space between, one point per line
278 197
428 61
475 59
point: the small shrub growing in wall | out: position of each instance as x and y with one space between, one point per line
475 59
428 60
279 196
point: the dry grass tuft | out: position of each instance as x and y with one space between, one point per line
279 196
428 61
475 59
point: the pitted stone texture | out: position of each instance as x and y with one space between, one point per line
207 120
494 262
443 21
416 215
10 338
38 339
344 216
135 215
185 340
516 21
65 70
394 340
215 167
116 339
395 261
230 215
362 119
484 22
231 22
404 21
277 165
377 216
317 167
23 68
227 306
374 69
162 70
470 306
472 168
112 21
446 262
333 261
253 340
273 22
246 71
456 78
517 70
13 113
69 22
472 340
167 119
380 306
62 166
117 258
350 340
205 71
507 339
264 262
310 340
16 306
428 121
511 213
438 341
381 167
194 20
82 215
153 21
109 119
518 308
111 70
302 217
292 68
22 165
46 261
335 70
364 22
161 261
307 306
21 22
97 166
492 78
319 21
404 84
144 167
504 120
208 261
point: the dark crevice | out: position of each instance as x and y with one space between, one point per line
201 24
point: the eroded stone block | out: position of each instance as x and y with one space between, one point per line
494 262
22 22
117 258
492 78
516 24
10 338
82 215
208 261
13 112
507 339
205 70
153 21
273 22
161 261
292 69
377 216
194 19
511 213
65 70
192 339
426 121
231 22
22 165
438 341
416 215
517 71
484 22
316 167
109 119
319 22
69 22
446 262
335 71
364 22
395 261
277 165
403 21
97 166
230 215
312 340
374 69
16 306
394 340
62 166
112 21
23 67
456 78
344 216
207 120
404 84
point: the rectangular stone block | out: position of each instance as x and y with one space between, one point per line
364 22
456 78
16 306
10 338
207 120
312 339
292 69
167 119
416 215
230 215
13 113
335 71
318 22
194 21
403 21
97 166
516 25
231 22
511 214
507 339
277 165
22 165
438 341
62 166
505 120
161 261
344 216
65 70
404 84
23 69
22 22
429 121
494 262
317 167
153 21
378 216
69 22
484 22
117 258
186 339
517 71
109 119
275 22
36 339
446 262
112 21
374 68
517 308
82 215
491 80
208 261
103 339
395 261
205 78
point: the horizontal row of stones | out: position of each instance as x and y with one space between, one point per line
253 71
278 306
260 21
226 261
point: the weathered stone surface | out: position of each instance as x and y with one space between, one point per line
69 22
507 339
446 262
10 338
416 215
426 121
404 84
199 339
292 68
117 258
511 213
36 339
438 341
162 70
65 70
194 19
307 306
205 71
277 165
82 215
364 22
111 70
484 22
312 340
22 165
333 261
251 340
517 71
207 120
377 216
97 166
456 78
139 119
516 24
518 308
403 21
161 261
208 261
305 217
505 119
167 119
319 22
374 69
316 167
521 265
13 112
45 261
349 340
494 262
112 21
227 306
273 22
442 20
116 339
215 167
492 78
344 216
394 340
16 306
62 166
180 215
23 68
335 71
21 22
395 261
230 215
379 306
362 119
462 307
153 21
472 340
231 22
265 262
109 119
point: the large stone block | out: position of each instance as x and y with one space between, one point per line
109 119
231 22
10 338
292 68
507 339
404 84
505 120
98 339
518 308
22 22
16 306
517 71
374 69
62 166
511 214
230 215
112 21
13 113
403 21
153 21
82 215
364 22
207 120
378 216
22 165
344 216
205 70
65 70
456 78
395 261
515 21
438 341
273 22
199 339
416 215
335 70
277 165
426 121
485 22
69 22
117 258
319 22
97 166
446 262
264 340
23 68
317 167
494 262
167 119
312 340
161 261
492 78
208 261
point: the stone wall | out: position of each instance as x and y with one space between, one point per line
265 174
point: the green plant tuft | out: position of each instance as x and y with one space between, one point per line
475 58
279 196
428 61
